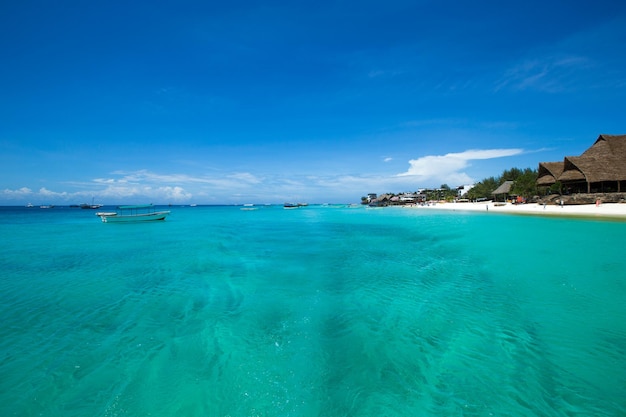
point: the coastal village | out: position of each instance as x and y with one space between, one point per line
596 176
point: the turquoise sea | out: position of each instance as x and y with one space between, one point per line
317 311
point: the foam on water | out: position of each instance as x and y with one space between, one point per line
319 311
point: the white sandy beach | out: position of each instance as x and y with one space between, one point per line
605 210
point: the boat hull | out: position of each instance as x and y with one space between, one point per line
143 217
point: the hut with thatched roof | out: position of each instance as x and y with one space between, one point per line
504 188
601 168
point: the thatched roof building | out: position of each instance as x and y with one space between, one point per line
601 168
549 172
504 188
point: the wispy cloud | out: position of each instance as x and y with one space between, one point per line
245 177
19 193
551 74
171 187
449 168
51 194
222 187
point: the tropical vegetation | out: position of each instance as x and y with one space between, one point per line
524 184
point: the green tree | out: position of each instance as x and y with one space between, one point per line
526 183
484 188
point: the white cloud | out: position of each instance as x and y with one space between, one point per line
143 186
449 168
387 159
19 193
52 194
174 193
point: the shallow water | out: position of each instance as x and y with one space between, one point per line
318 311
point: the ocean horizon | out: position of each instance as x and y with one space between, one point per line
316 311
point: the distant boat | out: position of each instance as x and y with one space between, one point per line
248 207
294 205
140 213
30 205
46 207
90 206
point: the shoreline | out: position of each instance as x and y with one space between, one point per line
604 211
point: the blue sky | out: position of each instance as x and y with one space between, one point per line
266 102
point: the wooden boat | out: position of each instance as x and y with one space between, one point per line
139 213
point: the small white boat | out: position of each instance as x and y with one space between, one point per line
106 213
139 213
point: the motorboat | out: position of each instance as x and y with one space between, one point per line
294 205
138 213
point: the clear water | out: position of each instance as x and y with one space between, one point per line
319 311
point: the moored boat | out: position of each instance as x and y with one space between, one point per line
138 213
89 206
294 205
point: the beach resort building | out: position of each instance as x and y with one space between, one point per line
600 169
463 189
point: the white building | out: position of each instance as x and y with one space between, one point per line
463 189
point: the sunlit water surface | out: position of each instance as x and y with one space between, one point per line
317 311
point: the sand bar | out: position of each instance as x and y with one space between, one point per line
612 211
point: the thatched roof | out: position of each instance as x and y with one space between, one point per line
574 168
504 188
549 172
605 160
